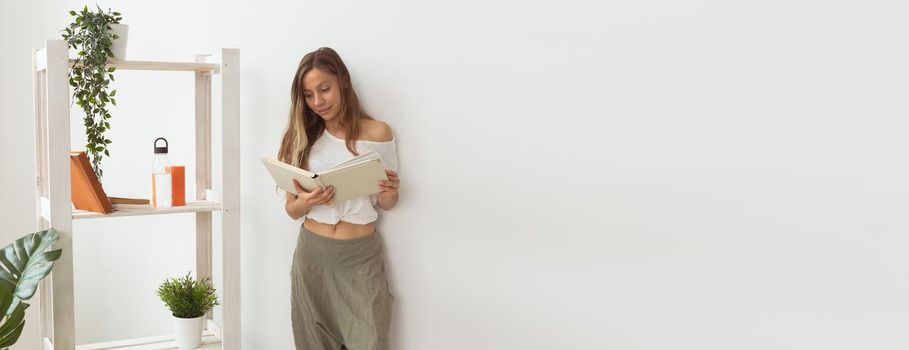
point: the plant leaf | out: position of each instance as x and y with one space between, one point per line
27 261
12 326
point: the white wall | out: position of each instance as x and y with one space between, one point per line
628 175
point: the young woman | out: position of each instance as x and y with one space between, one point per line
339 291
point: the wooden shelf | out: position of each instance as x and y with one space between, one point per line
146 65
166 66
210 341
164 342
190 207
51 66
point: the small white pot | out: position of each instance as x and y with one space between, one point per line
188 332
118 46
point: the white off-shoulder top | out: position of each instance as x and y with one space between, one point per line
329 150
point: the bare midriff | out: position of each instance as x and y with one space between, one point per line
343 230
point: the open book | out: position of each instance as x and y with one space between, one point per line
354 178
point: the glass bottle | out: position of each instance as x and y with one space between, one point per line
161 179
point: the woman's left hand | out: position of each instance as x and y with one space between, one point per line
391 186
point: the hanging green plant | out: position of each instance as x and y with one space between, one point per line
89 34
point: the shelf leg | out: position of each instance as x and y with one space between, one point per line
230 109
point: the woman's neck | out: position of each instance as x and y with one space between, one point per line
335 127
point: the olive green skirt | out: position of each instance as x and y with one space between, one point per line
339 293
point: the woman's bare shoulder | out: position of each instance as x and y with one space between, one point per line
376 131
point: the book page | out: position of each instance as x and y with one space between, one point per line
362 158
355 180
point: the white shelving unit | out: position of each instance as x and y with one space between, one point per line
52 135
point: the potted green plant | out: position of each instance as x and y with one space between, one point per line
94 35
25 262
189 300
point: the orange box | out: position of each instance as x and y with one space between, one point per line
178 184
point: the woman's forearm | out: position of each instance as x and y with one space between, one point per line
295 211
386 202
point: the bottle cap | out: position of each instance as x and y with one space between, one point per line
160 149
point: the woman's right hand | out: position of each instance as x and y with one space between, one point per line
318 196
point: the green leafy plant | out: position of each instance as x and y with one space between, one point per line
187 297
89 35
24 263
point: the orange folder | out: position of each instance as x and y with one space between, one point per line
87 193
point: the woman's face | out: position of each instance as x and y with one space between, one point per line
322 92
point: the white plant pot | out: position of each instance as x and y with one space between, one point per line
188 332
118 46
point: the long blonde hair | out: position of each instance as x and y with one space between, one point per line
304 125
